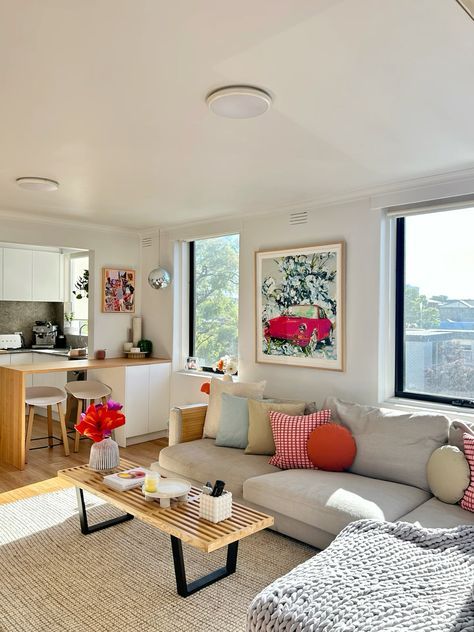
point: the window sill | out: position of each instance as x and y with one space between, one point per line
414 405
204 375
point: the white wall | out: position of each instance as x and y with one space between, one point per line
359 227
107 248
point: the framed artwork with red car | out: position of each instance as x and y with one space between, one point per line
300 310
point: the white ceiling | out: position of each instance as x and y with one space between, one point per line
107 96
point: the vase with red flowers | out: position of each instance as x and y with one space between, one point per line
97 423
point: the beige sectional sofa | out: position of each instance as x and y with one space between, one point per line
387 480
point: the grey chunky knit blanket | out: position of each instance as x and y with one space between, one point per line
376 576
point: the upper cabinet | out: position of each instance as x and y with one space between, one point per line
31 275
47 276
17 274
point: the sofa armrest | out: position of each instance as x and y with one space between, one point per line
186 423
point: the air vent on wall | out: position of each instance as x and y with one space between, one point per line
147 242
298 217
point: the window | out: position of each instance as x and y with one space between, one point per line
435 307
79 284
214 294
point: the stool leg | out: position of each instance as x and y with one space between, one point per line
68 408
104 400
77 436
31 418
49 410
62 423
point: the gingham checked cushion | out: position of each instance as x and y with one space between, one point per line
467 501
291 438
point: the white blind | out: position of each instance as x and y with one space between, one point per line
432 207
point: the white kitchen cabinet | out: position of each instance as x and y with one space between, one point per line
144 393
47 277
17 274
31 275
158 397
136 400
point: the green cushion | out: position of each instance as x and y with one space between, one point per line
234 422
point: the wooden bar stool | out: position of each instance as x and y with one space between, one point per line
46 397
84 391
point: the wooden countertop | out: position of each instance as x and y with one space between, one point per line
84 365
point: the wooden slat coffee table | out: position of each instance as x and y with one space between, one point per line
181 522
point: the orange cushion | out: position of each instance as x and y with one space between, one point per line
331 447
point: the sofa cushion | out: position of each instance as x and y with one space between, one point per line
392 446
330 500
448 474
233 429
435 514
218 386
456 432
260 437
202 460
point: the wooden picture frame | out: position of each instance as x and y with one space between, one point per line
118 291
300 306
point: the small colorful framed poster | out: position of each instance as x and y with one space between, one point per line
118 291
299 299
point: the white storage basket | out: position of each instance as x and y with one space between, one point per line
217 508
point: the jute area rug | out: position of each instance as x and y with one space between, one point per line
54 579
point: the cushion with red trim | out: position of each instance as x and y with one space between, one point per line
467 501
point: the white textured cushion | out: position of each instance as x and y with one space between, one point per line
330 500
391 445
456 432
251 390
448 474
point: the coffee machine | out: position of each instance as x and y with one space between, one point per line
44 335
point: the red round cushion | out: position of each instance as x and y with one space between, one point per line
331 447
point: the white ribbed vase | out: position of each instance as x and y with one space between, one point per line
104 455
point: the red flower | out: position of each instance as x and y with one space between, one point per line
99 420
206 387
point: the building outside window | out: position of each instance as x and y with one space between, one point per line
435 307
214 294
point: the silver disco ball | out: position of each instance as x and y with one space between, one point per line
159 278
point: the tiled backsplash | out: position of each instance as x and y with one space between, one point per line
21 316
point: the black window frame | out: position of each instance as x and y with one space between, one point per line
400 331
192 308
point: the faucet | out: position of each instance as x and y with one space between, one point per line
81 327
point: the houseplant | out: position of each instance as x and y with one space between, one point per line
97 423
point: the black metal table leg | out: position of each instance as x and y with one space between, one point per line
185 589
85 528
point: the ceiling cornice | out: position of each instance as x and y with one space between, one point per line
64 221
353 195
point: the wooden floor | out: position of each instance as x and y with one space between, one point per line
39 476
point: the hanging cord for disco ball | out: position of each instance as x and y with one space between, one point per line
159 278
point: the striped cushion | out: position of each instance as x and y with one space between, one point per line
291 438
467 501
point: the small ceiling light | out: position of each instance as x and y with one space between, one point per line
37 184
239 102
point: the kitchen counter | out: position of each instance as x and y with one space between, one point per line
12 397
55 352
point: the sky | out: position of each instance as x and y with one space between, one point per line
439 253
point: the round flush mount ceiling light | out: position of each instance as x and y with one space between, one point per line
37 184
239 102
